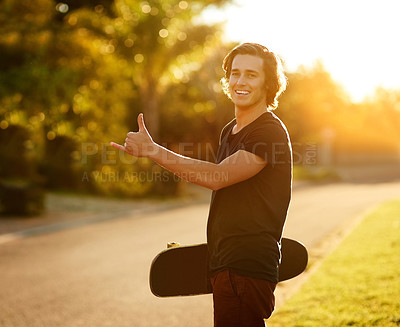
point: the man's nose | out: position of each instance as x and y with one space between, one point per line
241 80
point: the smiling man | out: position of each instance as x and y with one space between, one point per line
251 183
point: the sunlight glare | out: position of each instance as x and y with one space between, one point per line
355 40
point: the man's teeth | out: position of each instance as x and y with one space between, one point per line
242 92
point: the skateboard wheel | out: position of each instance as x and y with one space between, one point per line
172 244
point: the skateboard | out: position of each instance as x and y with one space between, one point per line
183 270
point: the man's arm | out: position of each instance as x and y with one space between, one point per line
236 168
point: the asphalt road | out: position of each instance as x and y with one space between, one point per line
97 275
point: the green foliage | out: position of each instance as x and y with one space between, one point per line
312 103
21 198
76 74
21 190
357 285
16 164
209 111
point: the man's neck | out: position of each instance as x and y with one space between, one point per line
246 116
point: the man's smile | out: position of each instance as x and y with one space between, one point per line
241 92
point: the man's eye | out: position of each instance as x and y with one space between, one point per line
252 75
234 74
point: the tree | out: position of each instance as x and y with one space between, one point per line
79 72
200 109
317 109
312 102
157 46
159 40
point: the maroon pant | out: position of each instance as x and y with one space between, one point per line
241 301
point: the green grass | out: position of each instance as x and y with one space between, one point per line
358 284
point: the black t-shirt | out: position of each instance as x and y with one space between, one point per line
246 219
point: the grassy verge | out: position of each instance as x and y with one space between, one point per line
358 284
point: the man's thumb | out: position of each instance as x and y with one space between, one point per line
142 126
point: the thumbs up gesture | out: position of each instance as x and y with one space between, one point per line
138 144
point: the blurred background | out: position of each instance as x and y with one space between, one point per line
75 74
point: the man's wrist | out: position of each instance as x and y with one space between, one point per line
152 151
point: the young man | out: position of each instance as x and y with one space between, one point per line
251 183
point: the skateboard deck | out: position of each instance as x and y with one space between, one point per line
183 270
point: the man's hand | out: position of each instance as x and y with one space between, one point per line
138 144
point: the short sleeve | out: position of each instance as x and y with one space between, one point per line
269 142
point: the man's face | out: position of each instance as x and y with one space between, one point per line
247 82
